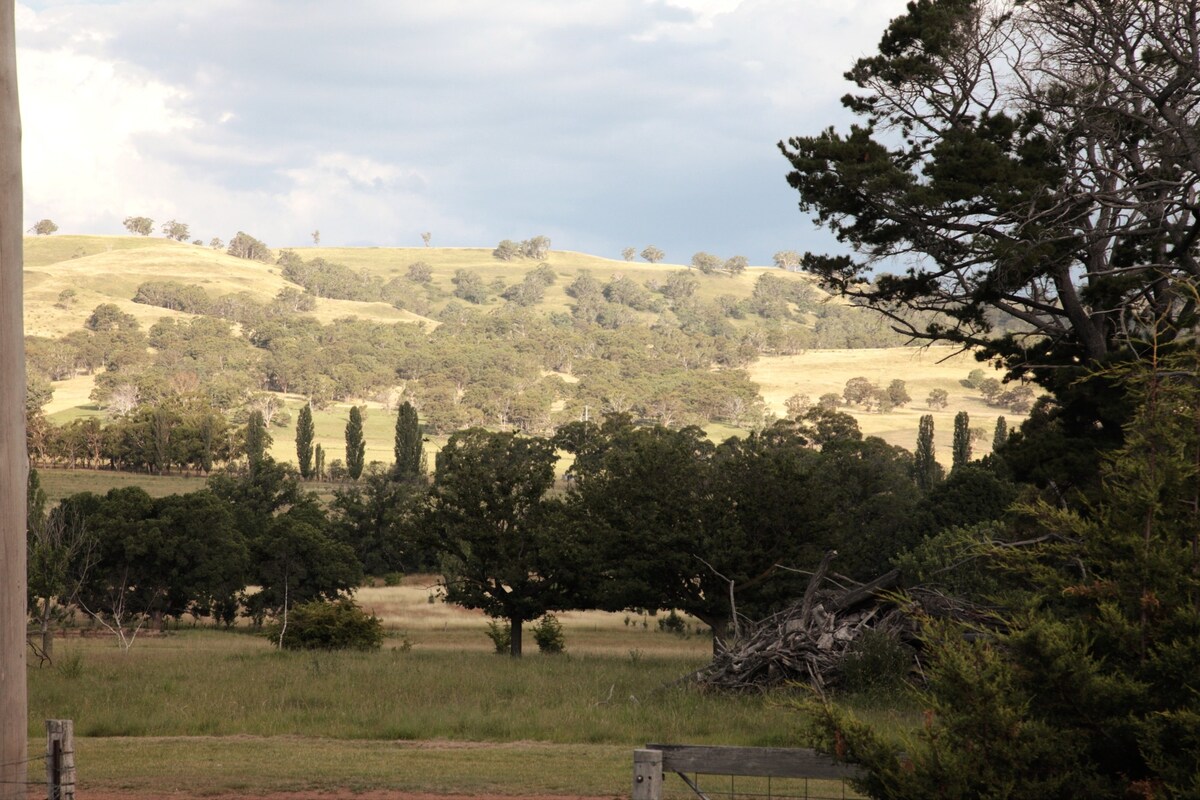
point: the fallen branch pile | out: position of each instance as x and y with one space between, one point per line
807 641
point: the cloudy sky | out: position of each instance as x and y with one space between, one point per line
600 123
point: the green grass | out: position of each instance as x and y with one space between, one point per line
227 712
201 711
222 684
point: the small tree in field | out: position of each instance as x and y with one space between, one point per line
653 254
628 253
43 227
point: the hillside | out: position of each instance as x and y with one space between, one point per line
532 344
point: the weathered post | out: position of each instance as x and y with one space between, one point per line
60 759
13 459
647 774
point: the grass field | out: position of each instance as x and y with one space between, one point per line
433 711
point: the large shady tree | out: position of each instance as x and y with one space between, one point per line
504 546
1027 171
1038 159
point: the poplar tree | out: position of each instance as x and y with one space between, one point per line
319 462
962 440
257 438
1000 437
356 448
304 441
408 443
925 466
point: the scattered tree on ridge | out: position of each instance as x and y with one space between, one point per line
653 254
43 227
142 226
176 230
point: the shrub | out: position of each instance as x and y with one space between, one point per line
320 625
875 661
672 623
548 634
501 636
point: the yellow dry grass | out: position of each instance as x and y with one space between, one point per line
415 609
817 372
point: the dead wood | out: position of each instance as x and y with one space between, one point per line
806 642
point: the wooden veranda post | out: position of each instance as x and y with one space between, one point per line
60 759
13 460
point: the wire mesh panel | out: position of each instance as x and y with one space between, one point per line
712 772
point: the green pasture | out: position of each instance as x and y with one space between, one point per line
434 711
227 711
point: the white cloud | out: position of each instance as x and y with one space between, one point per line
596 120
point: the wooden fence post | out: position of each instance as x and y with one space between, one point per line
60 759
647 774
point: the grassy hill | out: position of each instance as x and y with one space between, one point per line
109 269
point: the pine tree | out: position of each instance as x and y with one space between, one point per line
304 441
1089 687
1000 437
925 467
257 438
356 447
408 443
962 440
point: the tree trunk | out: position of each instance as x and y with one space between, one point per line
14 462
514 638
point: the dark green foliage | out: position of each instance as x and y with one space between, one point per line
548 634
1000 435
324 625
304 441
409 455
356 446
926 470
875 662
372 518
961 452
501 636
257 438
994 183
1089 687
487 515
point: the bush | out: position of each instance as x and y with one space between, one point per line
501 636
320 625
875 661
672 623
548 634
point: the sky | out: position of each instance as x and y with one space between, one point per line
602 124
